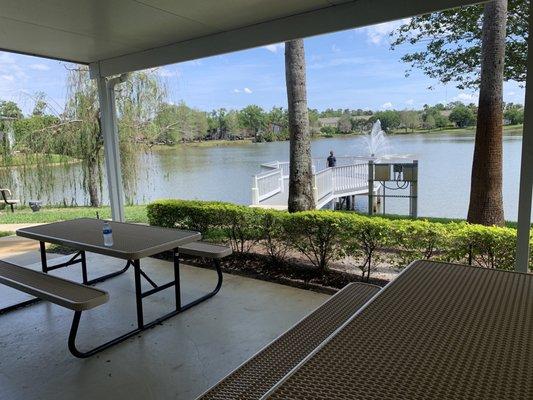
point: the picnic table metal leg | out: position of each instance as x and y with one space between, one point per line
84 354
177 287
216 263
138 293
83 267
44 265
111 275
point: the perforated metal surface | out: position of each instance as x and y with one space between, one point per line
131 241
262 371
439 331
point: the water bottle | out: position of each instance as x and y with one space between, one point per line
108 235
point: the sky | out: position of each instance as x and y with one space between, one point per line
349 69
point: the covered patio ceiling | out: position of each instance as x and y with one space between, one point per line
118 36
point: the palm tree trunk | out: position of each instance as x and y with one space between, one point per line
486 201
300 171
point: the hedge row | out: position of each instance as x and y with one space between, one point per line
326 236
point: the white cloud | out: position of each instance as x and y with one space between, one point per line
9 78
410 102
387 105
335 48
167 73
245 90
274 48
10 67
466 97
376 34
340 61
39 67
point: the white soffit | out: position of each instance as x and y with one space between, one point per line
117 36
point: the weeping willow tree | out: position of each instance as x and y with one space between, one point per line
137 103
84 140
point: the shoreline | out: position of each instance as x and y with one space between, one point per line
507 130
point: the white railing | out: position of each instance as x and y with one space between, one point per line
323 184
269 166
319 164
350 177
266 185
284 166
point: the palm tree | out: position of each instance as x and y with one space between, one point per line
486 202
300 171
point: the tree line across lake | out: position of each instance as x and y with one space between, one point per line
156 121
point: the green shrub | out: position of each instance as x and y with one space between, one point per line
185 214
274 235
362 237
325 236
242 226
418 239
483 246
237 225
316 235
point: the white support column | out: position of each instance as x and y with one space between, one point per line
106 96
526 166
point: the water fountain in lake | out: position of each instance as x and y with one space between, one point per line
376 141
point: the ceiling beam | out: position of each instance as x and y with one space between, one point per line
354 14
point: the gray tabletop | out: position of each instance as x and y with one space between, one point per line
131 241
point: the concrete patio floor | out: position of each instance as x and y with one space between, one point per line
177 360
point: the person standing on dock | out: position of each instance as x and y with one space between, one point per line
332 161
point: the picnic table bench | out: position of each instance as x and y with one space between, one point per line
65 293
257 375
7 200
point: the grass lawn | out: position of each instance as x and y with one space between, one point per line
204 143
2 233
26 215
34 159
507 129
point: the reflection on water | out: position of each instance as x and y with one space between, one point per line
224 173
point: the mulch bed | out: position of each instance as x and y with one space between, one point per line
301 275
293 272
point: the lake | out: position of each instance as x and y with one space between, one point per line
225 172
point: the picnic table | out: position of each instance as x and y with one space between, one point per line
132 242
438 331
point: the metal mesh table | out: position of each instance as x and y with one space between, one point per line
439 331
